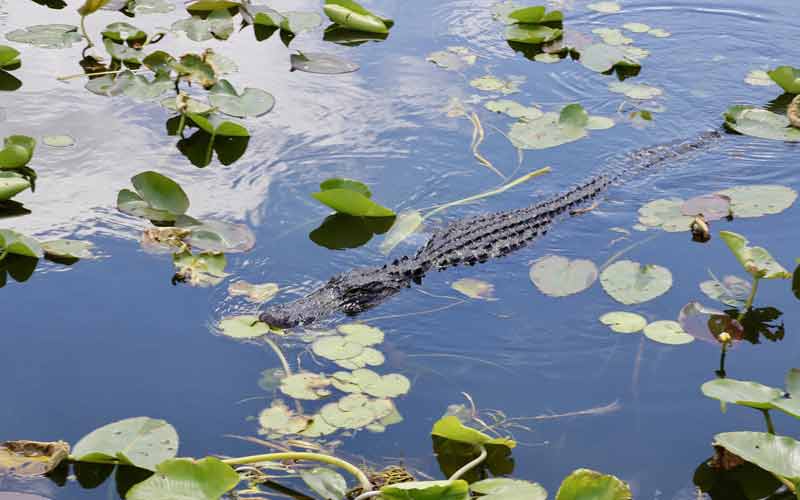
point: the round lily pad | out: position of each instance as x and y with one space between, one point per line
324 64
630 282
559 276
623 322
758 200
243 327
667 332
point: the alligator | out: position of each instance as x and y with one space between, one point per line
470 241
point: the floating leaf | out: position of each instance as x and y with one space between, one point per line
141 441
68 249
630 282
474 289
612 36
758 78
427 490
787 77
324 64
758 200
306 385
636 27
243 327
757 122
514 109
779 455
31 458
558 276
601 57
605 7
254 293
665 213
503 488
667 332
585 484
47 36
624 322
278 420
731 290
325 482
184 478
491 83
450 427
352 15
635 91
757 261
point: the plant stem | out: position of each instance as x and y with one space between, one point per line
85 34
314 457
768 418
463 470
749 304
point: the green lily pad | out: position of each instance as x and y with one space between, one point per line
758 200
665 213
306 385
141 441
559 276
635 91
612 36
636 27
757 261
279 420
779 455
787 77
47 36
427 490
491 83
758 78
353 16
324 64
731 290
361 334
243 327
350 198
585 484
624 322
218 24
258 293
184 478
757 122
216 126
68 249
503 488
325 482
9 57
601 58
11 184
474 289
514 109
450 427
743 393
630 282
605 7
667 332
532 33
20 244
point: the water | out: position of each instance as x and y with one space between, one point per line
112 338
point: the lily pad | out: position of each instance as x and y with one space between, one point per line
243 327
624 322
758 200
258 293
474 289
141 441
491 83
787 77
605 7
667 332
558 276
757 261
757 122
47 36
514 109
206 479
324 64
353 16
601 57
503 488
635 90
758 78
306 385
731 290
665 213
427 490
585 484
630 282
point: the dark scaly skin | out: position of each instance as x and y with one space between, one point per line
467 241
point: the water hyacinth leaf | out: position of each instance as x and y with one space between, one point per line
11 184
532 33
47 36
779 455
665 213
743 393
9 56
362 334
20 244
31 458
711 206
758 200
406 224
325 482
757 122
324 64
306 385
787 77
183 478
161 192
503 488
474 289
757 261
427 490
258 293
58 141
585 484
605 7
630 282
68 249
624 322
758 78
217 126
347 201
636 27
450 427
514 109
352 15
612 36
707 324
667 332
141 441
491 83
559 276
731 290
601 58
243 327
635 91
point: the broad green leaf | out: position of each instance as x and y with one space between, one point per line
757 122
779 455
760 199
325 482
427 490
559 276
787 77
474 289
68 249
352 15
9 56
585 484
184 479
742 393
90 6
406 224
630 282
450 427
667 332
352 203
20 244
140 441
757 261
161 192
48 36
624 322
324 64
251 103
503 488
11 184
243 327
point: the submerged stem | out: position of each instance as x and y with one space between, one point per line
463 470
313 457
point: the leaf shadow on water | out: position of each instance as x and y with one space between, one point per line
199 147
342 231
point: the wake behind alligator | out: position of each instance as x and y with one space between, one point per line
470 241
